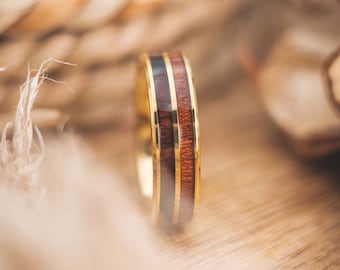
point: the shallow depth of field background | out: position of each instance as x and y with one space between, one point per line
270 135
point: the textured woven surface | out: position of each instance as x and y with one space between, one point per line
103 38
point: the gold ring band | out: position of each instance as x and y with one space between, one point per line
168 143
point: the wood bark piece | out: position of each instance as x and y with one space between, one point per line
291 88
332 78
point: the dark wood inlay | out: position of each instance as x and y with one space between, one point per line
166 138
186 128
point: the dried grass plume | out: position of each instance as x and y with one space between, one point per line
74 212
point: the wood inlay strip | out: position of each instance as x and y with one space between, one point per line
166 138
176 137
185 120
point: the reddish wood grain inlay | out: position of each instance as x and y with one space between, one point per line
186 129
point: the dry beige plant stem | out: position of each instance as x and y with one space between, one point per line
72 212
22 152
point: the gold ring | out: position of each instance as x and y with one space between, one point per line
168 141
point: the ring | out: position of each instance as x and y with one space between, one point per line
168 142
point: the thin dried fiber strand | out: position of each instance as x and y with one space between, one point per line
22 153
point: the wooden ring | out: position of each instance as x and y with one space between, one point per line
168 152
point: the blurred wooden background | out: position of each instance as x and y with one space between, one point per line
263 205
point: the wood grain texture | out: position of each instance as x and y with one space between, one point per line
186 128
166 136
261 206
